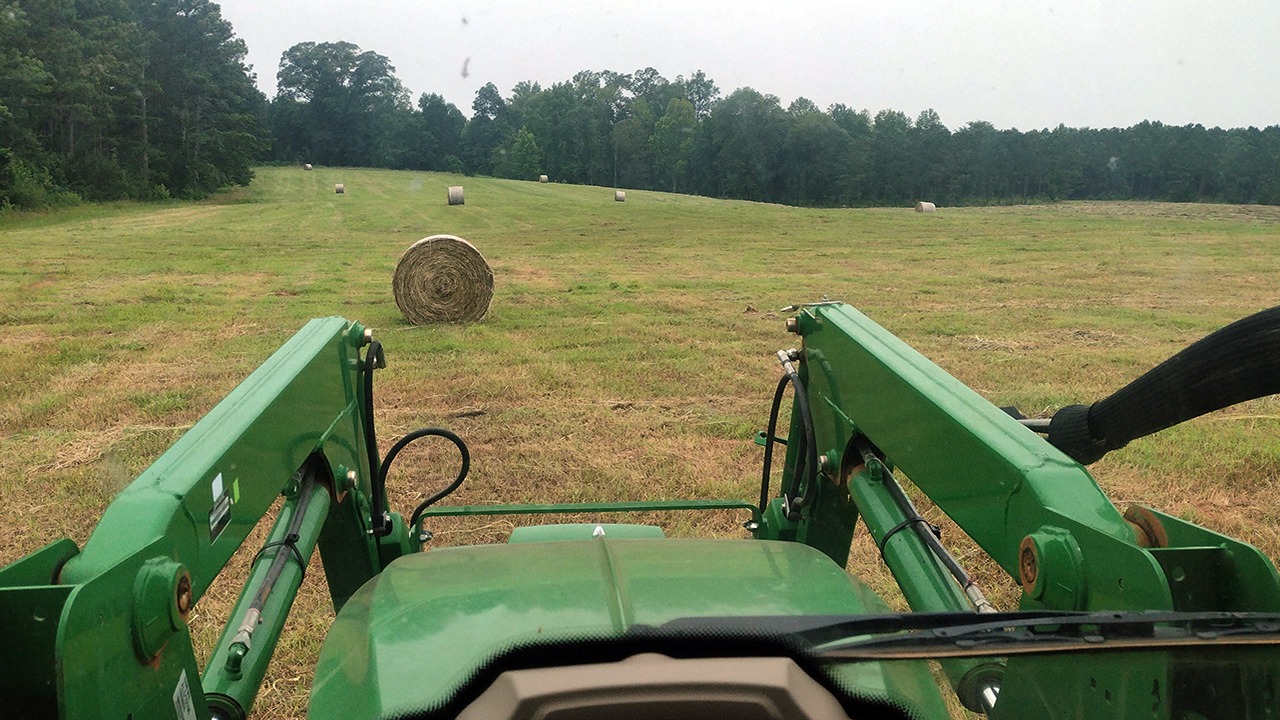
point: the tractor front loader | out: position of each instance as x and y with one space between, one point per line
1125 614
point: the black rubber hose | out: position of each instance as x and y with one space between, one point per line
1236 363
462 470
374 359
280 559
919 525
807 456
770 436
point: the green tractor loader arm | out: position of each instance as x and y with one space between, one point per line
616 619
100 631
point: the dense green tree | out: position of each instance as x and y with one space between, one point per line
24 85
147 98
548 117
891 158
742 141
442 125
518 157
817 153
701 92
632 154
671 144
197 102
928 155
488 129
348 100
857 189
123 98
649 85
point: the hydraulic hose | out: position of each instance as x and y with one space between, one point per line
924 530
807 454
457 481
770 438
381 523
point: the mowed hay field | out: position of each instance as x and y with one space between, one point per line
628 353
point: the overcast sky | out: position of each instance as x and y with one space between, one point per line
1016 63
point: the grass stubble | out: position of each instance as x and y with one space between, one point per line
628 352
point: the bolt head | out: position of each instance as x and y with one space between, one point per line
793 325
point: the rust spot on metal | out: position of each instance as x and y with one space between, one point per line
1028 564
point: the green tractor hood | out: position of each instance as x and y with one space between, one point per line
410 641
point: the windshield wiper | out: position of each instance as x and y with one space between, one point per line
1003 634
960 634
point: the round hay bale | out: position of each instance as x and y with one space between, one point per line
339 189
925 207
306 166
619 196
442 278
455 195
543 178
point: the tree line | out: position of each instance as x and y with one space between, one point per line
114 99
103 99
342 106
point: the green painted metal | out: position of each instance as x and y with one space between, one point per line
583 531
1013 493
1026 504
302 399
411 637
592 507
925 582
30 608
236 667
101 632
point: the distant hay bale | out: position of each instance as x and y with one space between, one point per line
306 166
619 196
339 189
925 207
542 178
455 195
442 278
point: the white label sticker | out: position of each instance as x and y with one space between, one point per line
220 513
183 707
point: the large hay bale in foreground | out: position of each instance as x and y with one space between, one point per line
619 196
442 278
455 195
925 207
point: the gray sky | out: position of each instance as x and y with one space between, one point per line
1023 64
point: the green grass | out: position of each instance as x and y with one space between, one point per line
628 353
